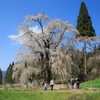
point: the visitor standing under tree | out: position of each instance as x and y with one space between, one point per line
45 86
52 84
72 82
78 83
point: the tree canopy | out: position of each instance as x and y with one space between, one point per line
84 23
42 50
0 76
8 76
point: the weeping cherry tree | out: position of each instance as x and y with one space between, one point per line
41 37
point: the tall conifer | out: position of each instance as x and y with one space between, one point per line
84 26
8 76
84 23
0 76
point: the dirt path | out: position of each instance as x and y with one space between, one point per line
62 88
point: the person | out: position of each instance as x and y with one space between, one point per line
45 86
77 83
52 84
69 84
72 82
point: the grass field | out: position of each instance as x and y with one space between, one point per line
91 84
57 94
48 95
26 95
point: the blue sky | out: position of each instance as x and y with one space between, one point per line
13 12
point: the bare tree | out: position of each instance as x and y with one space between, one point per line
87 40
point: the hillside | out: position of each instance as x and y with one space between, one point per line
91 84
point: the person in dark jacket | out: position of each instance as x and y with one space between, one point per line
78 83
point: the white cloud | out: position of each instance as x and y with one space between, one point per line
13 37
35 29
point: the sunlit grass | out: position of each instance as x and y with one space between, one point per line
48 95
91 84
30 95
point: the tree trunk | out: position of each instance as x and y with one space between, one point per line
85 67
42 66
48 68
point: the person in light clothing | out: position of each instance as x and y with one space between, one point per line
45 86
52 84
72 82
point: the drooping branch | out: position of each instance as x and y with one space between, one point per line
59 39
40 23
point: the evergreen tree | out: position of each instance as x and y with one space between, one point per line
0 76
8 76
84 23
84 26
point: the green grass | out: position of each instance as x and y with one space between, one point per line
91 84
85 96
47 95
29 95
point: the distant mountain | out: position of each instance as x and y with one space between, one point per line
3 75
